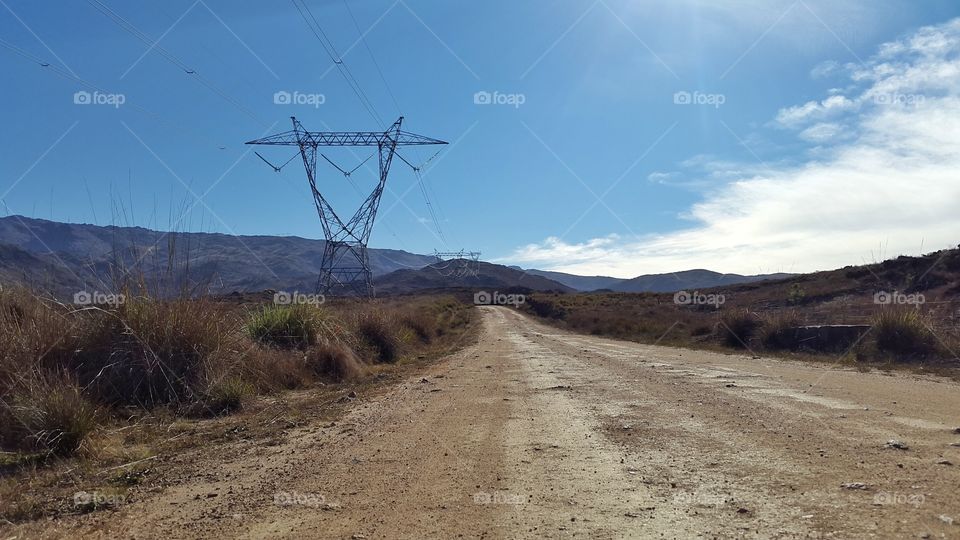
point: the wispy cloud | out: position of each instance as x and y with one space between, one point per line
889 179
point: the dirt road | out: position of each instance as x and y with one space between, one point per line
535 433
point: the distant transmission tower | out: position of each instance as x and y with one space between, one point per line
345 266
459 263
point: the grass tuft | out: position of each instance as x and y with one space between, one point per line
779 331
48 413
738 327
903 332
377 332
290 327
335 360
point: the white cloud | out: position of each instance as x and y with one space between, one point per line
892 183
825 69
812 110
658 177
821 133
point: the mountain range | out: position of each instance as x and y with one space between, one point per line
63 258
675 281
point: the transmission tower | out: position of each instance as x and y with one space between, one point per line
346 266
459 263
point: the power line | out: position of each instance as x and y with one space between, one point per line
331 51
424 189
426 197
147 40
57 70
374 58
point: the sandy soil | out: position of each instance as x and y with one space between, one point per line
536 433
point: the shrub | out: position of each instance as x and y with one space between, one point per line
295 326
227 395
149 352
48 413
271 370
377 332
335 360
904 332
546 308
142 351
31 330
737 328
796 295
779 331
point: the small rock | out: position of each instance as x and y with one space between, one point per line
632 515
956 430
854 485
944 462
626 427
424 380
743 511
946 519
212 495
358 537
899 445
352 395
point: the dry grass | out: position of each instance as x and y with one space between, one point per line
335 360
378 336
64 369
904 333
424 325
778 331
48 413
738 327
286 326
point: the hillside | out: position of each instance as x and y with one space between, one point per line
927 286
487 276
579 283
687 280
65 257
675 281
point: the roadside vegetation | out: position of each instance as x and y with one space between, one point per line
73 377
901 312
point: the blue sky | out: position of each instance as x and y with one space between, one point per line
632 136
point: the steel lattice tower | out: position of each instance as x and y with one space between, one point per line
345 266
